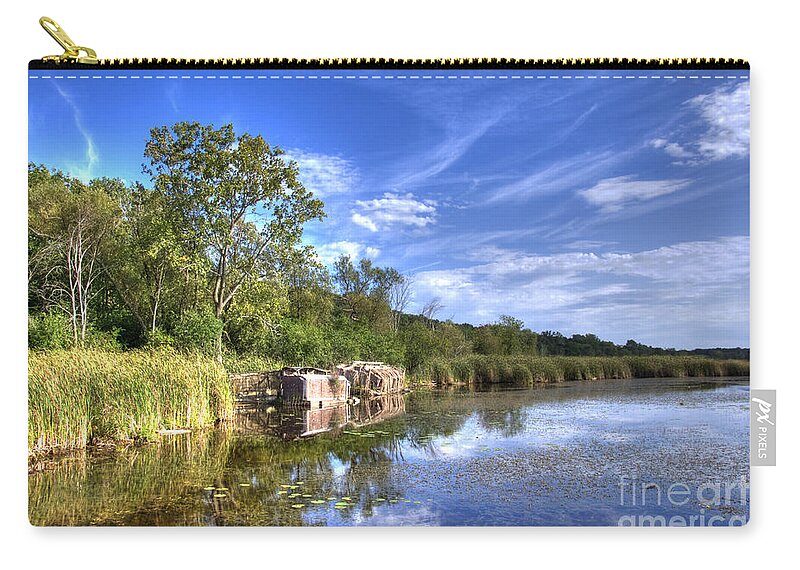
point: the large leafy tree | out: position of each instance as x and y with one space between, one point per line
309 286
236 197
149 262
365 290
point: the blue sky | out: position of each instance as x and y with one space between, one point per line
608 202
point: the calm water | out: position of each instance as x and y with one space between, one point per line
582 453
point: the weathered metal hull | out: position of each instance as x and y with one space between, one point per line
313 387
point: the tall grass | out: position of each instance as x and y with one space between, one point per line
240 364
478 369
75 397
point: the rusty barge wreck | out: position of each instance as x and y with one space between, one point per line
311 387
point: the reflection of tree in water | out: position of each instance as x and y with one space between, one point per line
175 482
507 422
155 485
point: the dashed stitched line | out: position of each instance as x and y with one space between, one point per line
395 77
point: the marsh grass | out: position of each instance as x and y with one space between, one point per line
478 369
79 396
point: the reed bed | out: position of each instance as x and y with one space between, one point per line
80 396
478 369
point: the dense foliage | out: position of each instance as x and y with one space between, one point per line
75 397
208 258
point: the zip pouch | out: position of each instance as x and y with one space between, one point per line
388 292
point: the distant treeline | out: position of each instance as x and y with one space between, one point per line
208 257
556 344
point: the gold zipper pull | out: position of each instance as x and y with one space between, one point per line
72 53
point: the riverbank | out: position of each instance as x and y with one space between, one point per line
528 370
76 397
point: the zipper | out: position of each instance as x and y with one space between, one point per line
79 57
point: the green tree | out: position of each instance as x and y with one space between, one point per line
148 257
365 290
421 344
69 226
309 286
238 198
253 318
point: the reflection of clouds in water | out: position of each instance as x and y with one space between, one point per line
465 451
416 515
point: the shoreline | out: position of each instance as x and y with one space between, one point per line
133 396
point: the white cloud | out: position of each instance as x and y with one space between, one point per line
330 252
613 194
693 293
364 222
724 122
671 148
727 115
324 174
394 210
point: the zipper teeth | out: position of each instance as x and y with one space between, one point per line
379 63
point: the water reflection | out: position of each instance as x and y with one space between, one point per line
289 422
534 456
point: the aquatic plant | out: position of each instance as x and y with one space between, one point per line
526 370
78 396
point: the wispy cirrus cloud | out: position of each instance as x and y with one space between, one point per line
324 174
394 210
563 175
84 172
723 125
456 143
614 194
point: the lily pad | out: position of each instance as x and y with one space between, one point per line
298 506
317 502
